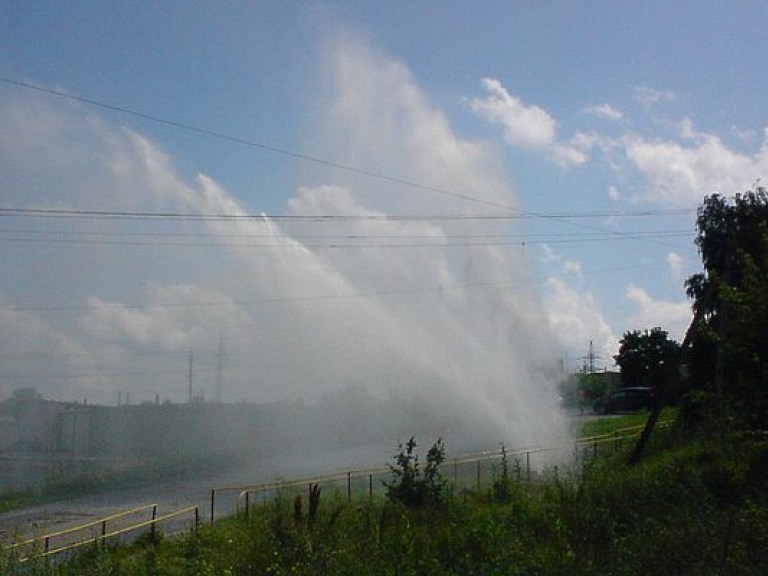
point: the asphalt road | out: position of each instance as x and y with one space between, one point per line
170 496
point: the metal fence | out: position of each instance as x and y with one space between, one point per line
98 533
467 471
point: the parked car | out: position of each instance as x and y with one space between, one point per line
632 399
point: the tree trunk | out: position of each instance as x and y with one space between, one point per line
672 376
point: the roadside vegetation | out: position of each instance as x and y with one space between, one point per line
696 505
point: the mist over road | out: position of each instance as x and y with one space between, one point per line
172 495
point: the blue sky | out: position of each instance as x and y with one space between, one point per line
570 141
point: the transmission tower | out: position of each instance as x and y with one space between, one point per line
589 359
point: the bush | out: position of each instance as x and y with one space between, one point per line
409 486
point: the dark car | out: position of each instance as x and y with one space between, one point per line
631 399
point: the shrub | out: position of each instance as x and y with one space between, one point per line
409 485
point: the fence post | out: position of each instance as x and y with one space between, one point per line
370 485
349 486
153 529
456 471
197 518
528 466
47 543
213 503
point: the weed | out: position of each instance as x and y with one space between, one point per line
501 490
410 486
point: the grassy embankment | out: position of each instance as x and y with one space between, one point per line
696 505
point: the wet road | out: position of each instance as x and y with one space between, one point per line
170 496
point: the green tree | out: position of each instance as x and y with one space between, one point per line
729 356
644 357
726 347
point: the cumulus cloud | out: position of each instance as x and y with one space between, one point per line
576 319
649 97
683 172
573 267
527 125
676 265
569 267
604 111
673 317
165 322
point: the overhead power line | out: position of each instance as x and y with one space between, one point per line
317 297
149 215
291 154
355 243
251 143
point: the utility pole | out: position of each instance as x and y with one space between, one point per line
220 372
191 391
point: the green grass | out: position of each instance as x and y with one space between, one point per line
612 424
694 506
12 500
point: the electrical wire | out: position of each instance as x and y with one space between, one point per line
291 154
148 215
320 297
337 246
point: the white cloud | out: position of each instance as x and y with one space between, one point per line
576 319
746 135
673 317
682 174
568 155
569 267
573 267
527 126
676 265
604 111
613 194
648 97
549 255
165 323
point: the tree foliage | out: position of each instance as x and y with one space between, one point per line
644 356
730 352
410 485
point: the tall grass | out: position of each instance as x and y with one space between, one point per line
611 424
693 507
